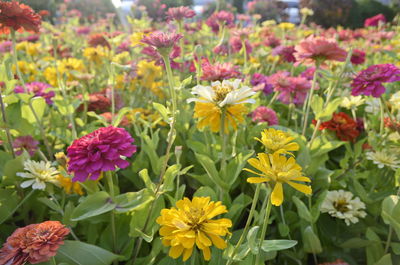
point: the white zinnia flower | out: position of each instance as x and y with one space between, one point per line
373 106
352 102
38 174
395 100
225 93
340 204
382 159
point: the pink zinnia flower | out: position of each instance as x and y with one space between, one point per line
374 21
27 143
221 49
39 89
101 150
161 40
260 82
369 81
319 49
358 57
292 89
220 18
308 73
179 13
264 114
83 30
237 44
285 52
219 71
272 41
156 56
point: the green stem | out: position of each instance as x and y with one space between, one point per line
19 204
264 231
110 184
273 98
247 226
389 238
381 127
7 129
223 136
310 96
53 261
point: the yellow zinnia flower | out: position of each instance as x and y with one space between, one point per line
286 25
69 186
277 169
278 141
190 224
95 55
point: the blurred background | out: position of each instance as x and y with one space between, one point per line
328 13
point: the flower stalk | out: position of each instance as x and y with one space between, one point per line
264 230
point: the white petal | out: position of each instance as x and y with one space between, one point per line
39 186
27 183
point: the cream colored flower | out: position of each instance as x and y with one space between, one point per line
352 102
306 11
340 204
395 100
382 158
38 174
373 105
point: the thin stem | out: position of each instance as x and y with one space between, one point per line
20 204
3 112
310 96
381 128
314 133
244 54
264 230
53 260
110 184
248 222
273 98
223 136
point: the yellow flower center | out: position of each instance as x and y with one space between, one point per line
221 91
341 205
194 215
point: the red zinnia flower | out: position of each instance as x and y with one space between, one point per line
34 243
358 57
98 40
101 150
343 125
218 71
374 21
17 16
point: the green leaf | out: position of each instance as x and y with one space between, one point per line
164 112
79 253
326 113
283 229
51 204
132 201
93 205
8 201
385 260
252 239
209 167
205 191
144 175
120 116
302 209
169 177
356 243
317 104
39 105
311 242
276 245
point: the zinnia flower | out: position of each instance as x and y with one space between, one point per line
161 41
34 243
343 125
384 159
351 102
101 150
179 13
39 89
218 71
318 49
357 57
38 174
17 16
221 18
276 141
374 21
98 40
27 143
285 52
260 82
340 204
264 114
277 170
191 224
226 98
369 81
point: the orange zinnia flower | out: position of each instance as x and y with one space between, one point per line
14 15
34 243
345 127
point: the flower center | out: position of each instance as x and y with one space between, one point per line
341 205
194 215
221 91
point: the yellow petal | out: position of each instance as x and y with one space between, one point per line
277 194
300 187
207 253
187 253
175 252
217 241
256 180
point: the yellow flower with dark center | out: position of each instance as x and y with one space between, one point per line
95 54
277 170
278 141
191 224
29 70
29 48
70 64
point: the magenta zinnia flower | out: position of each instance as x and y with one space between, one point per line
221 18
358 57
285 52
39 89
101 150
179 13
319 49
369 81
264 114
161 40
27 143
218 71
260 82
374 21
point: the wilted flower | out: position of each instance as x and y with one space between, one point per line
191 224
101 150
374 21
38 174
27 143
276 141
357 57
264 114
318 49
277 170
340 204
179 13
219 71
343 125
39 89
384 158
17 16
35 243
369 81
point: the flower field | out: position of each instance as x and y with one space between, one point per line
217 140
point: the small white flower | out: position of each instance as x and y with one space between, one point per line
352 102
381 159
395 100
373 106
225 93
340 204
38 174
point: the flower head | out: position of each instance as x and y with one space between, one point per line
285 52
101 150
98 39
39 89
340 204
369 81
357 57
27 143
374 21
191 224
179 13
219 71
384 159
162 41
352 102
260 82
277 169
264 114
221 18
34 243
343 125
17 16
318 49
38 174
276 141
